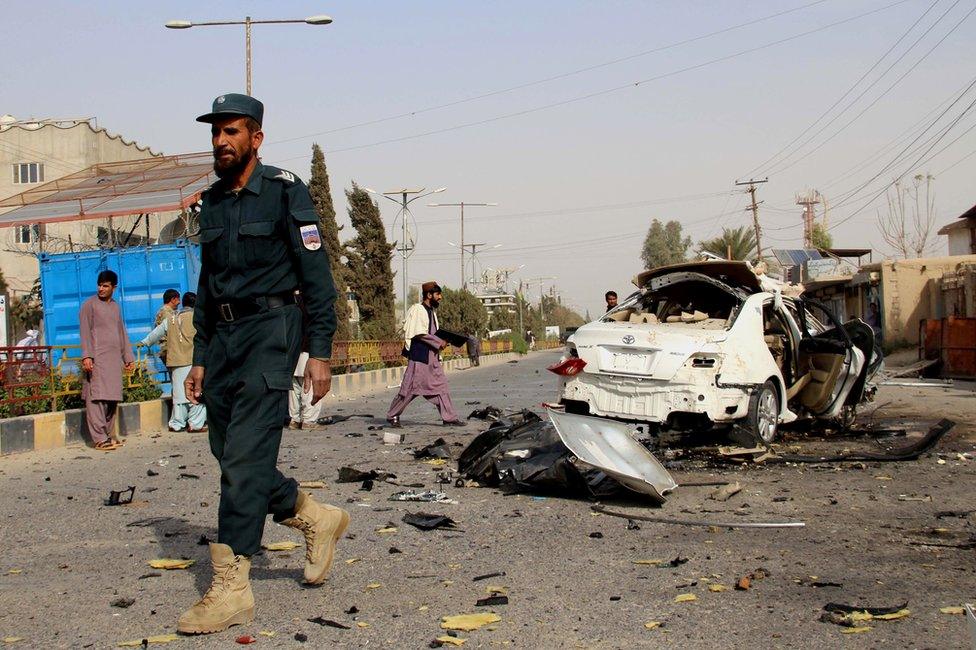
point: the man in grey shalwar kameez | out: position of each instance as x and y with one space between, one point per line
424 376
105 349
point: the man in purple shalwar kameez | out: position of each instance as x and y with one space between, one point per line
105 348
424 376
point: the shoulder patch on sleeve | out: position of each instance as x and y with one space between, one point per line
277 173
310 237
286 176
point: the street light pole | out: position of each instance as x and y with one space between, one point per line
247 22
461 243
406 248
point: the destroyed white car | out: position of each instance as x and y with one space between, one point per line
712 344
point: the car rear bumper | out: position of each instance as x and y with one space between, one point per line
655 400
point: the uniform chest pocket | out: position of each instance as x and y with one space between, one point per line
213 246
259 242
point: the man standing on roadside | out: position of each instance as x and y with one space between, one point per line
261 246
171 304
105 349
178 328
424 376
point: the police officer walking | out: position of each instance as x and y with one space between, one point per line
262 254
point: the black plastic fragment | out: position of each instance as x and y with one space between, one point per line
427 521
120 497
496 574
318 620
491 601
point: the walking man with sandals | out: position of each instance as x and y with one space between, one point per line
105 350
262 251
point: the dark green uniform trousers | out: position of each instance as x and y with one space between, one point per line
248 374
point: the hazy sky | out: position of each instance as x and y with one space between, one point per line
576 183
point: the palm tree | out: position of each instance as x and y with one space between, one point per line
736 244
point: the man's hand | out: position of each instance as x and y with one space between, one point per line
88 364
318 378
130 366
193 384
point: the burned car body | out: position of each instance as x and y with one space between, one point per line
705 344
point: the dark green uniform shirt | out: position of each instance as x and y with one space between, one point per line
261 241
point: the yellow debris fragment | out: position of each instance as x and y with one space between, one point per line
717 588
859 617
374 585
280 546
447 583
362 624
312 485
170 564
450 640
12 639
953 610
161 638
652 625
353 560
894 616
685 598
496 590
15 571
856 630
652 562
468 622
423 608
267 633
454 566
386 530
436 462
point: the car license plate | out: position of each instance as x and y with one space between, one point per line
629 362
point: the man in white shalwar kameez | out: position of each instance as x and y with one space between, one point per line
424 376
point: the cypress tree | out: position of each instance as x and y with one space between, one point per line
318 186
370 271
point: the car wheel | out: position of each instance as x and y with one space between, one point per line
764 413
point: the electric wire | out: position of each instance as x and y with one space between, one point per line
775 156
611 90
783 166
556 77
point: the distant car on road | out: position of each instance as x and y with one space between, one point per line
709 344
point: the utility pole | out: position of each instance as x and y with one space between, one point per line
752 182
461 243
407 243
808 199
540 281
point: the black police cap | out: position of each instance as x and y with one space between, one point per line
234 104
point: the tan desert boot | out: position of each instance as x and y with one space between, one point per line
229 601
322 526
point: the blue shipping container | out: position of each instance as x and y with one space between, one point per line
145 272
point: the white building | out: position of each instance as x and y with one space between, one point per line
34 152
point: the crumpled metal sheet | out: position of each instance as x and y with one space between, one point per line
610 446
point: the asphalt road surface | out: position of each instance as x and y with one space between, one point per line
872 538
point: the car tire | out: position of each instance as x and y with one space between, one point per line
763 419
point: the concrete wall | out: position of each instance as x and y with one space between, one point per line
911 291
63 150
960 241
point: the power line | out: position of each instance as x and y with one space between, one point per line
614 89
876 99
884 189
904 35
556 77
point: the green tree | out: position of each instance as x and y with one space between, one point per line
559 314
369 271
664 245
820 237
318 186
462 312
733 243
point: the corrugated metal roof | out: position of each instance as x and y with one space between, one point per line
159 184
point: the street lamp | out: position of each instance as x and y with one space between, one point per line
460 205
320 19
406 248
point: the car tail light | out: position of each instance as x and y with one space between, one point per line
568 367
